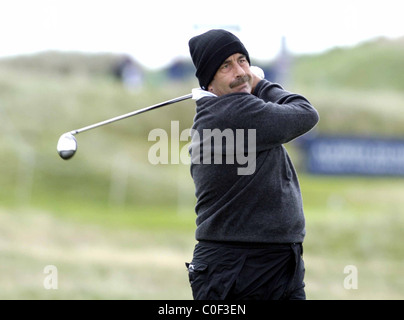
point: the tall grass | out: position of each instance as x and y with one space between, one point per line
373 65
127 253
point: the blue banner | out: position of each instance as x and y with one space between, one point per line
355 155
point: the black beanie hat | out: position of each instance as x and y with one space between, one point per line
209 50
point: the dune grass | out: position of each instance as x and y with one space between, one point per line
139 252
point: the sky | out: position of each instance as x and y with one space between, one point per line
155 33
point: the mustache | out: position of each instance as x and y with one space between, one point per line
240 81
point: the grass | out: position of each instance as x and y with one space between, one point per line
93 262
356 112
127 253
372 65
354 221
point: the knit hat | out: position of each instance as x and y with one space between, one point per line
209 50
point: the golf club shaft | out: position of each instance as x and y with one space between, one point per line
130 114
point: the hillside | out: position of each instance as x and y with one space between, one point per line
357 90
45 95
373 65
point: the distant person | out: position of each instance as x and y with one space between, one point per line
130 74
251 226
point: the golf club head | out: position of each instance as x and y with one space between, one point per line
67 146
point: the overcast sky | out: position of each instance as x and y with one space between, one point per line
156 32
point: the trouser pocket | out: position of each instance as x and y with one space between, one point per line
195 269
295 289
197 275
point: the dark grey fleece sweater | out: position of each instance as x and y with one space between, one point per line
265 206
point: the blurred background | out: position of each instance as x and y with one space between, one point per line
116 226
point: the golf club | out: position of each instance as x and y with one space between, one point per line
67 144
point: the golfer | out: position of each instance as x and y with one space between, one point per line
250 226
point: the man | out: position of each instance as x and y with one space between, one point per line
250 226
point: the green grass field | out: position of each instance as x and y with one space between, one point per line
139 252
117 227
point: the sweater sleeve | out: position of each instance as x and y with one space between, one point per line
270 92
277 115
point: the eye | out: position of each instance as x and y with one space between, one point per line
226 67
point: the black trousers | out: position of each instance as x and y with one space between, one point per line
222 271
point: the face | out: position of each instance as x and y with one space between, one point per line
233 75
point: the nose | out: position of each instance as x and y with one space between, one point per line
239 71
